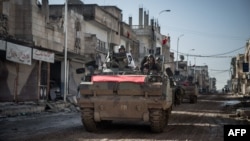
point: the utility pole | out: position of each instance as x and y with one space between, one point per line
177 67
65 49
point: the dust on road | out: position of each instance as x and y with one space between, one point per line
201 121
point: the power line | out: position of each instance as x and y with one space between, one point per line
219 70
211 35
228 52
212 56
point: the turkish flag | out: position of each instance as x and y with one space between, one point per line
164 41
128 34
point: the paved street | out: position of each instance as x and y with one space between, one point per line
201 121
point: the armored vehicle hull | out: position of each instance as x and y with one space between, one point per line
125 97
191 93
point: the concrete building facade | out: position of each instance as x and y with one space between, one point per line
32 45
240 74
151 40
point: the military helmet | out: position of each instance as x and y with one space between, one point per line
121 47
158 59
150 56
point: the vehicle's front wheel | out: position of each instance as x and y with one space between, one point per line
157 120
193 99
168 112
88 119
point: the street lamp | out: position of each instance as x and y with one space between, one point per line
188 55
167 10
178 51
155 43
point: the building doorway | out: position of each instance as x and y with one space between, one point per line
55 92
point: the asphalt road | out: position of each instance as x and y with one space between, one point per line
201 121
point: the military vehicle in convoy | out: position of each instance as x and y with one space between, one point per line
123 93
185 90
190 93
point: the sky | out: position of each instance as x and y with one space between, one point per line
210 27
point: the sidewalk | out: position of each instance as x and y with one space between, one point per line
9 109
241 106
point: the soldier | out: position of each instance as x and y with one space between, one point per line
144 60
178 95
120 59
122 49
158 63
150 64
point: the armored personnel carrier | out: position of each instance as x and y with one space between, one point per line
123 93
190 92
185 90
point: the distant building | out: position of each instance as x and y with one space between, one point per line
212 85
201 77
240 74
151 40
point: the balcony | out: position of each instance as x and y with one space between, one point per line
142 30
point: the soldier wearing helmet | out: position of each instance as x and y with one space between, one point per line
150 65
120 59
122 49
158 63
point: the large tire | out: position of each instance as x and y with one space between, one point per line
168 112
88 119
164 121
157 120
178 94
104 123
193 99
